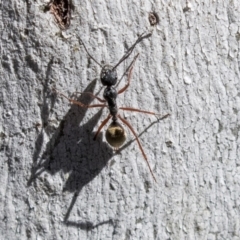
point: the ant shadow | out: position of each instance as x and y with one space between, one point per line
72 150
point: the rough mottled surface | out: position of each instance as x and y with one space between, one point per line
57 183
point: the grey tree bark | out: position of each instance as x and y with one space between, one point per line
57 183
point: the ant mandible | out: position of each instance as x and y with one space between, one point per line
115 133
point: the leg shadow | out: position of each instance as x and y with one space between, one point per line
72 150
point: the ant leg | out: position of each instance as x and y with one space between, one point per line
139 144
137 110
79 103
101 126
143 111
92 95
129 75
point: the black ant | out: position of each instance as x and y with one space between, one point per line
115 133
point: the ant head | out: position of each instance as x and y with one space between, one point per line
108 76
115 135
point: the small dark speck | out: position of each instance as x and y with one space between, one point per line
186 9
112 187
46 8
237 36
26 31
153 18
169 143
2 135
147 186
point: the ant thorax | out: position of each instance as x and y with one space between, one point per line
110 95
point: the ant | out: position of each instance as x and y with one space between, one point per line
115 133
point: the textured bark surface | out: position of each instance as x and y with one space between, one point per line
57 183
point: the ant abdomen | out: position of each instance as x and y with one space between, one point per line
115 135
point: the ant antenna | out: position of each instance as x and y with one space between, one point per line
81 42
125 56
